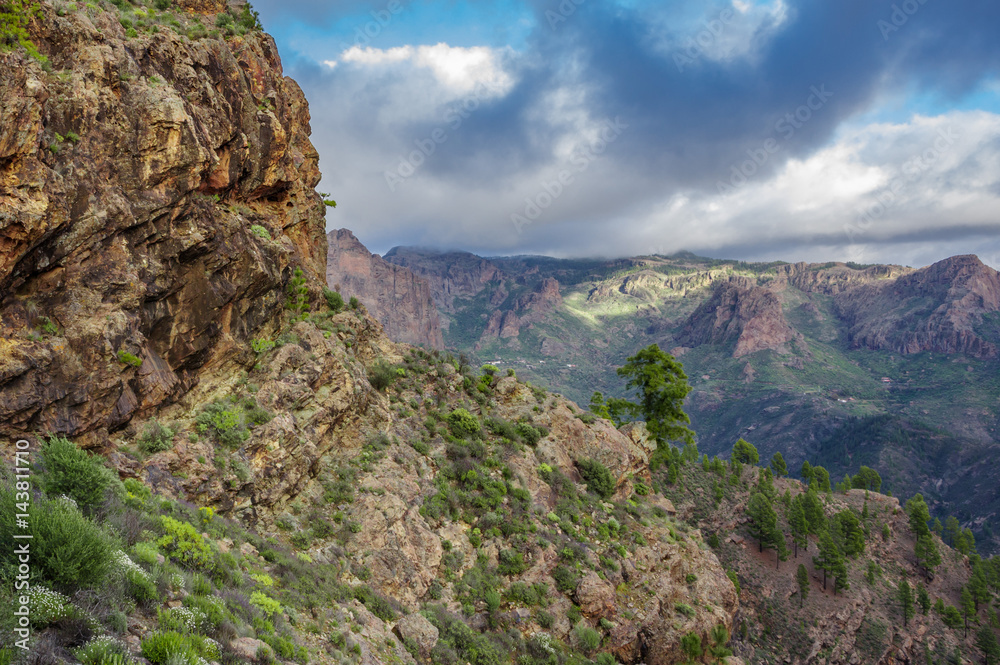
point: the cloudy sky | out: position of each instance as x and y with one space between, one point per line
863 130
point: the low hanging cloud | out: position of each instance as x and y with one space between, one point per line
737 131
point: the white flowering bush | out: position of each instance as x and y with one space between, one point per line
183 619
47 606
544 641
126 567
102 650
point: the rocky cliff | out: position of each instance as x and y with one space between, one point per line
400 300
450 275
156 194
748 315
936 309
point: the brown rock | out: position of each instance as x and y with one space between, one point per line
595 596
418 630
399 299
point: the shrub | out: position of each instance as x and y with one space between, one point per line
155 438
267 605
463 424
354 302
184 544
334 300
382 375
511 562
565 578
588 638
599 480
71 471
171 647
261 346
102 651
126 358
256 229
529 434
229 420
68 551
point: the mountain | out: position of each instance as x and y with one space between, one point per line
215 463
833 363
400 300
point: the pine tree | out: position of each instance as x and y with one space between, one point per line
778 466
802 577
822 478
765 484
923 599
745 452
927 553
777 541
968 608
851 536
905 597
798 525
806 472
937 527
839 572
815 516
763 519
986 641
951 530
916 508
829 558
978 585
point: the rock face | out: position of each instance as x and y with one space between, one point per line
749 315
933 309
155 198
449 275
526 310
393 294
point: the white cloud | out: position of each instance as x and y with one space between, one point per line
458 69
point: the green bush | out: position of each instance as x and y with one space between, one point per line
230 420
599 480
71 471
184 544
334 300
68 551
101 651
171 648
529 434
565 578
463 424
588 638
155 438
126 358
255 229
511 562
382 375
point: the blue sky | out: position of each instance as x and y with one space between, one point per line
779 129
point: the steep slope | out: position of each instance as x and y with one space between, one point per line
795 357
156 194
400 300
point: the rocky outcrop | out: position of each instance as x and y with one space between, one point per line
450 275
933 309
156 194
527 310
748 315
393 294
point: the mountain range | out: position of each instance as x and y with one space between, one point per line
838 364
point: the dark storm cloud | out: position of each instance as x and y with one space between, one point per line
763 90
